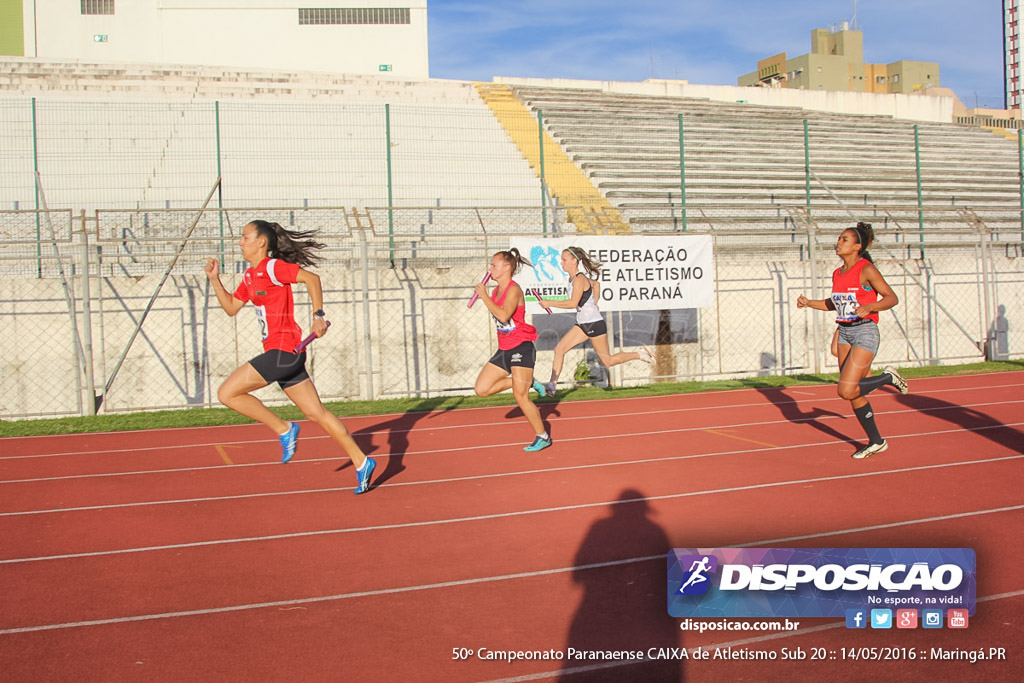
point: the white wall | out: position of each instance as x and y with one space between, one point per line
257 34
911 107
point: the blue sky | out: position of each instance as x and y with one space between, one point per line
707 41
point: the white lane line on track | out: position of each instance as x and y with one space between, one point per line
711 392
446 480
693 650
486 579
458 449
506 423
499 515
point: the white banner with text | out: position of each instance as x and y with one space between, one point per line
637 273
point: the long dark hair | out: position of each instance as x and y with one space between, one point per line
514 259
865 235
592 267
291 246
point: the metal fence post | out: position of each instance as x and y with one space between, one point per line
920 202
35 174
90 375
543 182
682 171
812 253
220 188
391 202
807 166
364 252
1020 176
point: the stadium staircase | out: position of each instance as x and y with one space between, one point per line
563 178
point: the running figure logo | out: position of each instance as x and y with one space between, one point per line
696 581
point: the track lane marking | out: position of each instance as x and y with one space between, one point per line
486 579
497 515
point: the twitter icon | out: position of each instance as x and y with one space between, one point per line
881 618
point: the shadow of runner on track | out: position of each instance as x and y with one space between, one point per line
623 606
978 422
398 429
790 409
548 408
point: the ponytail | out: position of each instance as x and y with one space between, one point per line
593 268
291 246
866 236
514 259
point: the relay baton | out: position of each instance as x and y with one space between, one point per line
475 295
305 342
536 293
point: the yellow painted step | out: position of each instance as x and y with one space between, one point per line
564 179
1006 133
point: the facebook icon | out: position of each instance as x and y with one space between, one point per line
856 618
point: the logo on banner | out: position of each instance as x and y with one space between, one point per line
820 582
545 260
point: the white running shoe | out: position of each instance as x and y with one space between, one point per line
645 355
897 379
549 388
870 450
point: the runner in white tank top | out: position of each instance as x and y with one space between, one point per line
584 292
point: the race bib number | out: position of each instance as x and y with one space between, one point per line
505 328
261 315
846 306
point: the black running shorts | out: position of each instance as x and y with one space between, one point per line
287 369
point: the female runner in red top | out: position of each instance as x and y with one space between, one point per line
275 256
859 292
512 366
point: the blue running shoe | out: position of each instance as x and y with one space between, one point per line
364 476
538 387
288 441
539 444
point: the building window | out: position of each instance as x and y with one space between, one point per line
880 80
353 15
896 78
97 6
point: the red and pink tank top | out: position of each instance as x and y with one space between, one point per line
848 293
514 332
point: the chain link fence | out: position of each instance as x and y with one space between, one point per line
396 283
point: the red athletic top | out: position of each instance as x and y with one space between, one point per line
848 293
268 287
515 331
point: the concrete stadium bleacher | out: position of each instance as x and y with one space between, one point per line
751 155
128 136
147 139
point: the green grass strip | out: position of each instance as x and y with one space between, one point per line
197 417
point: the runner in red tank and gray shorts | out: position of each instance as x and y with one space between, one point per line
859 293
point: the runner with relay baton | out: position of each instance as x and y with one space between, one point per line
276 257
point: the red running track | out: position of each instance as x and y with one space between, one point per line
194 554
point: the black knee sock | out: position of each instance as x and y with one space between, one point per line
869 384
867 422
